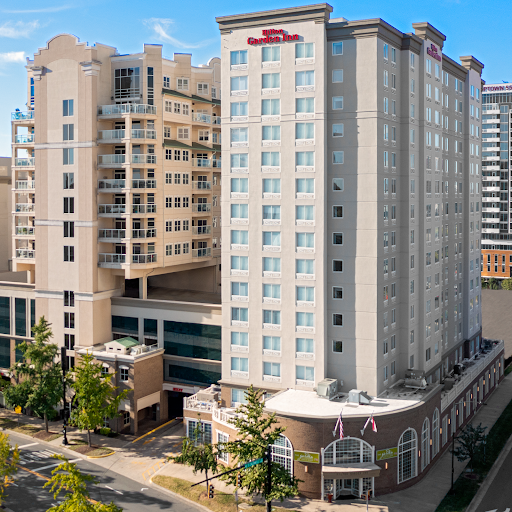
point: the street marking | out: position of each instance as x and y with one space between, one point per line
152 468
154 430
118 492
57 464
144 489
26 445
149 441
30 457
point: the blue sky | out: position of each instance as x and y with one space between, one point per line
482 30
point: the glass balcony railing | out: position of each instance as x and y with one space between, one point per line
25 138
112 233
111 184
111 159
28 254
143 258
201 207
144 233
111 134
201 185
201 253
126 108
217 162
25 184
22 116
143 159
201 230
25 162
109 209
109 258
201 118
143 183
201 162
25 207
215 120
143 208
25 230
143 134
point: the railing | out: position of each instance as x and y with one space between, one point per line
201 253
201 162
143 258
111 184
24 138
25 253
143 183
112 233
144 233
201 207
126 108
201 185
110 258
144 208
201 230
111 159
143 159
216 163
111 134
225 416
215 120
109 209
202 118
25 207
25 184
22 116
191 402
143 134
25 230
25 162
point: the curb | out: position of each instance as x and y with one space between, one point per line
489 479
101 456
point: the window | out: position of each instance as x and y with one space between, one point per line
337 48
304 345
240 237
182 84
337 130
337 157
238 83
239 57
68 156
123 373
270 80
69 320
202 89
305 319
67 108
69 341
239 109
338 184
337 319
337 265
303 267
240 289
271 239
393 55
270 212
271 369
239 263
304 105
69 229
305 373
240 364
68 132
425 444
337 239
69 299
304 50
337 76
337 292
304 212
305 293
270 133
305 240
68 180
337 102
407 455
183 133
239 314
304 131
435 433
303 185
269 54
304 78
271 107
69 253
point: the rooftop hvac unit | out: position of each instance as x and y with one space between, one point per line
415 379
207 395
356 396
327 388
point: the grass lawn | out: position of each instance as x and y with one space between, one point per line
79 446
28 429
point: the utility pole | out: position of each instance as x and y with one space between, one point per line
269 478
64 363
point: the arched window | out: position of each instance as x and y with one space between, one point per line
282 453
435 433
348 450
407 455
425 444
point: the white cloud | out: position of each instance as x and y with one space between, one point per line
18 29
44 9
12 57
161 26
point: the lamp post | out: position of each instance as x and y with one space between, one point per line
64 363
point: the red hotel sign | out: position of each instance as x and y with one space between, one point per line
497 88
432 51
273 36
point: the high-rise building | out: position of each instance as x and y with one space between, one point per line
496 161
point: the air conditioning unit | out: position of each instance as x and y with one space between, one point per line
327 388
415 379
356 396
207 396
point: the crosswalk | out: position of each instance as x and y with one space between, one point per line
39 460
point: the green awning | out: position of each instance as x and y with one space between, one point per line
169 143
177 94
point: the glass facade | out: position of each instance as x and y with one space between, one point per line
192 340
192 373
125 325
20 312
5 316
32 314
150 327
5 353
19 354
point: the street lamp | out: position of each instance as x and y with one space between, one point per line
64 363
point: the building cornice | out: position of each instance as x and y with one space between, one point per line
469 62
425 30
454 68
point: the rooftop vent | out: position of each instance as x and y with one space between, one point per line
415 379
328 388
356 396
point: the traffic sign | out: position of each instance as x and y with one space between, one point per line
17 409
253 463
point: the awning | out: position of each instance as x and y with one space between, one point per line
348 471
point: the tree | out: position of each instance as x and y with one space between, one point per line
195 452
256 432
95 396
506 284
485 284
38 375
67 477
9 457
493 283
469 439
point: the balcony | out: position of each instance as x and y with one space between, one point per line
143 134
25 162
144 233
143 258
109 185
26 254
22 116
25 207
111 209
25 184
216 120
201 185
26 138
201 230
202 118
109 260
108 136
201 207
207 162
143 159
126 108
25 230
202 253
144 208
143 183
111 234
111 160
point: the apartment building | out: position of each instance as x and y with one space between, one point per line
351 228
496 158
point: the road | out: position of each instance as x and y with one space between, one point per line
27 493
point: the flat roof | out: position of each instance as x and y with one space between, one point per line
162 293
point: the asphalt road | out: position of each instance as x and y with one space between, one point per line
27 493
498 497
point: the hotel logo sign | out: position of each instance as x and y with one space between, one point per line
311 457
432 51
497 88
273 36
388 453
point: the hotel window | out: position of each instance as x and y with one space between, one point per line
304 212
240 339
305 293
68 132
183 133
168 226
270 212
306 373
304 50
305 267
239 161
239 57
271 133
239 109
337 239
68 156
304 131
305 240
270 54
239 134
337 212
337 103
337 157
412 110
67 108
337 265
270 159
337 76
167 82
238 83
177 107
337 346
386 132
337 48
69 253
304 78
240 364
271 369
304 105
240 185
167 132
239 262
239 237
239 211
182 84
240 289
69 229
271 239
203 135
337 130
386 51
429 66
304 185
337 293
412 60
338 184
386 78
240 314
69 205
337 319
69 180
393 81
304 345
393 55
304 319
271 81
272 291
69 299
202 88
386 106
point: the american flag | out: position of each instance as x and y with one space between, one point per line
339 424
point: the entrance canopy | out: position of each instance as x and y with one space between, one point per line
350 471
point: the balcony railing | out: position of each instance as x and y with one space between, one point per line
202 118
143 134
25 230
25 138
25 184
111 159
201 207
143 258
126 108
117 234
22 116
201 185
28 254
143 159
201 230
111 134
201 253
25 207
25 162
144 233
215 120
110 209
107 185
143 208
111 259
143 183
206 162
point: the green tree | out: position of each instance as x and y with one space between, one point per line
506 284
95 396
67 477
9 457
469 440
198 453
38 376
493 283
256 432
485 284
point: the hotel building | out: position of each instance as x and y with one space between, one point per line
351 229
496 161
